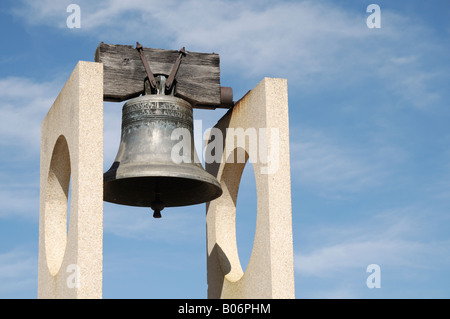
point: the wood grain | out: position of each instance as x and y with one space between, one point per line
197 80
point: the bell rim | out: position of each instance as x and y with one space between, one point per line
113 180
122 171
216 193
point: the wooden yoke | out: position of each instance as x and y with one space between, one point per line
197 79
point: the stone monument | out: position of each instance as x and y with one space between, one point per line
71 252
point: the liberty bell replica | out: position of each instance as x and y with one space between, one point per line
147 170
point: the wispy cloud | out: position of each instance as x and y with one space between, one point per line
251 35
314 44
23 105
402 241
19 199
353 255
18 272
334 168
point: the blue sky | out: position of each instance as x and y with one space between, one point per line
369 133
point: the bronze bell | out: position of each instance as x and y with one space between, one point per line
144 172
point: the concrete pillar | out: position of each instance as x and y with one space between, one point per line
260 119
70 257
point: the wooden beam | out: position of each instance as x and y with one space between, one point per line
197 80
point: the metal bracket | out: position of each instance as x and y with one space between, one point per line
173 72
151 79
150 76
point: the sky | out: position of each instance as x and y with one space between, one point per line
369 139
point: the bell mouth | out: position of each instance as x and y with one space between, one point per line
172 184
172 191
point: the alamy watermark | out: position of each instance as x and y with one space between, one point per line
374 19
74 19
73 279
374 279
235 145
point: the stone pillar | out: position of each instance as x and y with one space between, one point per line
260 119
70 256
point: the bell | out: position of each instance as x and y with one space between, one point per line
144 172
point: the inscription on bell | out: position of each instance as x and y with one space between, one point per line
160 112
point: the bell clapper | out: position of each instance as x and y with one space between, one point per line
156 214
157 205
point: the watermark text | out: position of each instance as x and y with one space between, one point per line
74 19
374 19
374 279
234 145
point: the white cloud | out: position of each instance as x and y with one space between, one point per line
42 12
18 272
397 239
23 105
407 78
350 256
19 200
313 44
336 168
